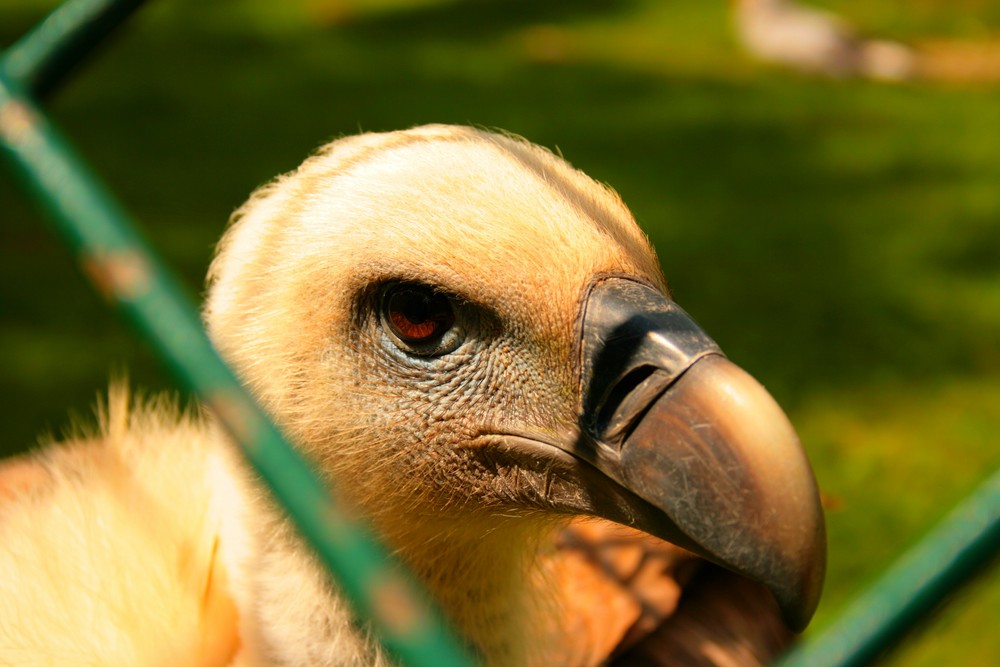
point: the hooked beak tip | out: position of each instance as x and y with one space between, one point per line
720 458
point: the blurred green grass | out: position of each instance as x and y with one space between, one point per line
841 240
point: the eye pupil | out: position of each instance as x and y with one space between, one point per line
418 314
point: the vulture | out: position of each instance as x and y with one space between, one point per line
474 343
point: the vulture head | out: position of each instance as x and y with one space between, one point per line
474 342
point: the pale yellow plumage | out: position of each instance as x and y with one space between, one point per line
111 547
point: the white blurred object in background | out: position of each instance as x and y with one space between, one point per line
810 40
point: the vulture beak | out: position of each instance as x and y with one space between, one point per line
669 419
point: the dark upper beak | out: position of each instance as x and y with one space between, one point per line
671 420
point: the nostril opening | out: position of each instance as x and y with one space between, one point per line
627 400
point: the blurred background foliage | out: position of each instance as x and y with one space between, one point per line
840 239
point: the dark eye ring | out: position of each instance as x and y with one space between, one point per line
417 314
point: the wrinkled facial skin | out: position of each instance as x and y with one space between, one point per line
438 410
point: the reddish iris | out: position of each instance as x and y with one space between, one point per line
410 330
418 314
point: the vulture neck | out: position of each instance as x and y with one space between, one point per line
483 573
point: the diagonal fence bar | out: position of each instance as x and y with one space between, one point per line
962 544
42 58
121 265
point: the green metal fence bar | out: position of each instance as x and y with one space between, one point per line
957 548
41 59
121 265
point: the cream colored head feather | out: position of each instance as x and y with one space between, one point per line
514 235
504 226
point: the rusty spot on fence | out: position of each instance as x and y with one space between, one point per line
122 274
394 604
16 122
237 414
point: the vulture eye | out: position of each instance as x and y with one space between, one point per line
417 315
